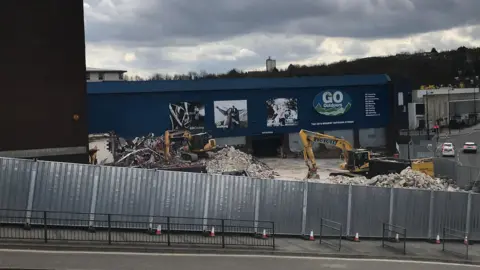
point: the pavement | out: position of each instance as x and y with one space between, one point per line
14 259
69 240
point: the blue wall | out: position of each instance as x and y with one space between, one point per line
137 108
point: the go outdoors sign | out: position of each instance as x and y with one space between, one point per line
332 103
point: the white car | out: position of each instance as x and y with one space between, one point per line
470 147
447 150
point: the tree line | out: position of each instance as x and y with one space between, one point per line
420 68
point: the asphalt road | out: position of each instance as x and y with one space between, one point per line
13 259
470 159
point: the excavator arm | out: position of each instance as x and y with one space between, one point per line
309 137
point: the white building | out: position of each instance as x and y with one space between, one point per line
440 105
101 75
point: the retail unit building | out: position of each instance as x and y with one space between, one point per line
249 111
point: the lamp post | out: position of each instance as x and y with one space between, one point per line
475 82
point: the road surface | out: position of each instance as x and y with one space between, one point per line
470 159
138 261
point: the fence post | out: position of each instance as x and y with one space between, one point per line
31 192
430 215
258 189
109 229
390 214
349 210
273 234
93 204
223 233
155 182
304 210
469 214
206 204
45 228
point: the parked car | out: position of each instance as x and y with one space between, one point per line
448 150
470 147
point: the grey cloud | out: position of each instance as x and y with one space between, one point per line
169 22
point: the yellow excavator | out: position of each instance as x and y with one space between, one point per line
356 161
197 144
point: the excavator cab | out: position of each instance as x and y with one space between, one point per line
201 142
358 160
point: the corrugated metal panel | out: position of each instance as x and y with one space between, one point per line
411 210
63 187
370 208
450 210
180 194
475 218
326 201
444 168
124 191
281 202
15 177
231 197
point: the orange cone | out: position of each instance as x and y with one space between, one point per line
465 241
212 232
311 238
159 230
437 241
357 238
264 234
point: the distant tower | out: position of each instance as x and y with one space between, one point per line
271 64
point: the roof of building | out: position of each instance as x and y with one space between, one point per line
118 87
89 69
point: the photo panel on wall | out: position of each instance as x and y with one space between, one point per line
187 115
282 112
230 114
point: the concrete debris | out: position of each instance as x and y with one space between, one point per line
408 178
145 152
230 159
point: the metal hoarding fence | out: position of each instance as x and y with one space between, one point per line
139 196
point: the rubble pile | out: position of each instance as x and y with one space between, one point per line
145 152
230 159
407 178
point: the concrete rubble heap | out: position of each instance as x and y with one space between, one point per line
407 178
146 152
230 159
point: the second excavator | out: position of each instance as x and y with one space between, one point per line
196 144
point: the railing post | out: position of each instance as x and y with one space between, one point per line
321 230
223 233
45 229
168 231
390 215
109 229
383 234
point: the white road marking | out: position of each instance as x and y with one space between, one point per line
228 256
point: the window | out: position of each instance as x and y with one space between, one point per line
87 76
101 76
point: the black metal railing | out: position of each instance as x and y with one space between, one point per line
394 234
330 229
458 242
54 227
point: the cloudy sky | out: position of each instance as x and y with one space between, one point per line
177 36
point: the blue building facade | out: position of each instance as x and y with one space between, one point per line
356 107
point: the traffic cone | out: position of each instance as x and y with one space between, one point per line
437 241
465 241
397 239
159 230
311 238
357 238
212 232
264 234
